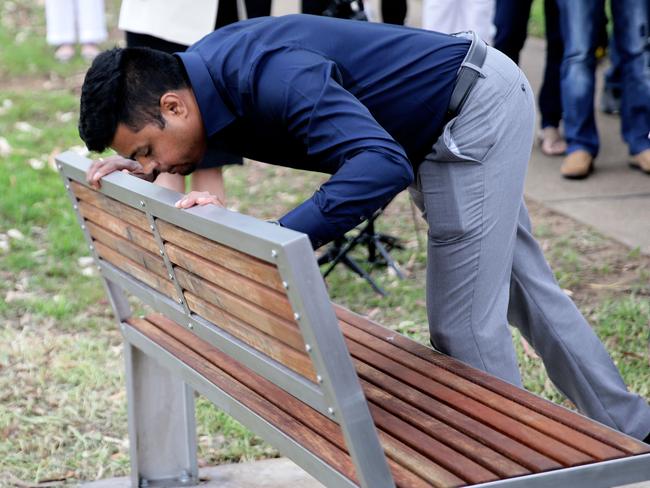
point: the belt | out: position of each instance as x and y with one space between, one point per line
468 73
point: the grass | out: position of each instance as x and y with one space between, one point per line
63 406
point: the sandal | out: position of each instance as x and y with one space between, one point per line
551 142
64 53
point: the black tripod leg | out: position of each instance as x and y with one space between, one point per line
389 261
350 263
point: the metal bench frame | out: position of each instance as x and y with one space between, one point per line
161 399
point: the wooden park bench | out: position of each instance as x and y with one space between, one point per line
243 317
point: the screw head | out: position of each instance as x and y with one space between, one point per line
319 378
152 227
142 204
296 316
285 285
171 276
307 347
330 410
162 252
190 325
274 253
180 301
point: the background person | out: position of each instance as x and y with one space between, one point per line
69 21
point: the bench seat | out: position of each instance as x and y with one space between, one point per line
441 422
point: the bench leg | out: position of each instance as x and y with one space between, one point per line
162 430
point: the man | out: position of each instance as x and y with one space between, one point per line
381 108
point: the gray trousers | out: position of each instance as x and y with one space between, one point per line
485 268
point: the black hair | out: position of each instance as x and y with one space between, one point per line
124 85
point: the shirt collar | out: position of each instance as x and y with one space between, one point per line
215 113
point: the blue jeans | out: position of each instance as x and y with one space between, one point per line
579 21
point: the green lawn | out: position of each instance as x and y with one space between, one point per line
63 412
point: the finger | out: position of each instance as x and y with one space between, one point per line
208 201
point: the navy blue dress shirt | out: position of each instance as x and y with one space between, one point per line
356 100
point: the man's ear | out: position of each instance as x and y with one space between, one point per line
172 104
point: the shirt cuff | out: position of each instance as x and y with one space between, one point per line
308 218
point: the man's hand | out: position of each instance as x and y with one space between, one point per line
105 166
198 198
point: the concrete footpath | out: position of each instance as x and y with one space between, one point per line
615 199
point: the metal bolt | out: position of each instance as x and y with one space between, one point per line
91 247
162 252
180 301
274 253
307 347
142 204
83 226
296 316
319 378
330 410
67 186
152 227
184 477
190 326
171 276
285 285
75 206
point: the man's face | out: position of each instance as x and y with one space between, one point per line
176 148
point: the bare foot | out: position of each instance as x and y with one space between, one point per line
551 142
64 53
89 51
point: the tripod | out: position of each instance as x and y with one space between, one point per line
378 245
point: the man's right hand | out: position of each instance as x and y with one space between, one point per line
104 166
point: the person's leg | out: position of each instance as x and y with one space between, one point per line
91 21
258 8
227 13
610 101
511 23
172 181
630 35
393 11
314 7
210 180
550 104
579 21
469 188
59 17
575 359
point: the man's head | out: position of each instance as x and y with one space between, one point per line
139 102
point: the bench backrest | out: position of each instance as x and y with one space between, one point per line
251 288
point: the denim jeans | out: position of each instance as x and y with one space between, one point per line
511 22
579 21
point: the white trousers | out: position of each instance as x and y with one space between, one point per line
69 20
451 16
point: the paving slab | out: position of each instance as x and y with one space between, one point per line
269 473
615 200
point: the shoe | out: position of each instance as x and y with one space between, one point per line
551 142
610 101
577 165
647 439
641 161
64 53
89 51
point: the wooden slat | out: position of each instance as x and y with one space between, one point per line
437 451
252 291
408 459
149 261
571 438
578 422
153 280
301 433
295 360
443 433
475 409
484 434
285 330
120 227
236 261
113 207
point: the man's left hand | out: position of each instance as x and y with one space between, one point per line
198 198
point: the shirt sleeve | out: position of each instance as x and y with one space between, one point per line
301 91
